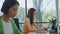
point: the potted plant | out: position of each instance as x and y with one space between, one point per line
53 22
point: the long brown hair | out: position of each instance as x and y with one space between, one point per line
30 15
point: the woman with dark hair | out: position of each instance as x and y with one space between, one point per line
29 23
9 10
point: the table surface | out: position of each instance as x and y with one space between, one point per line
42 32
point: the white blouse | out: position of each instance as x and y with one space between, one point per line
7 27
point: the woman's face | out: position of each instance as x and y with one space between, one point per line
13 10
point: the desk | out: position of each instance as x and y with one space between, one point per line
45 32
41 33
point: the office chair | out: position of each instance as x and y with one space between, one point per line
16 20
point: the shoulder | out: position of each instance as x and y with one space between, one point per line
27 19
12 21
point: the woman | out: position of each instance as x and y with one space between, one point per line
29 23
9 10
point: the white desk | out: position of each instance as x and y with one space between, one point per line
42 32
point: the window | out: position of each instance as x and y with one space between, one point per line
29 4
59 10
58 16
1 2
21 11
45 10
21 14
49 10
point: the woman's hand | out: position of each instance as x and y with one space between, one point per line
45 28
42 28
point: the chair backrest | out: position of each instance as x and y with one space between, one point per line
16 20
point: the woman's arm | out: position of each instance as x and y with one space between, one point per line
39 28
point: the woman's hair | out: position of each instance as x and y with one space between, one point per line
8 4
30 15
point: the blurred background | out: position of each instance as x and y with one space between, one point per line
45 11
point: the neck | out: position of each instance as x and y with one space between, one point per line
5 18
